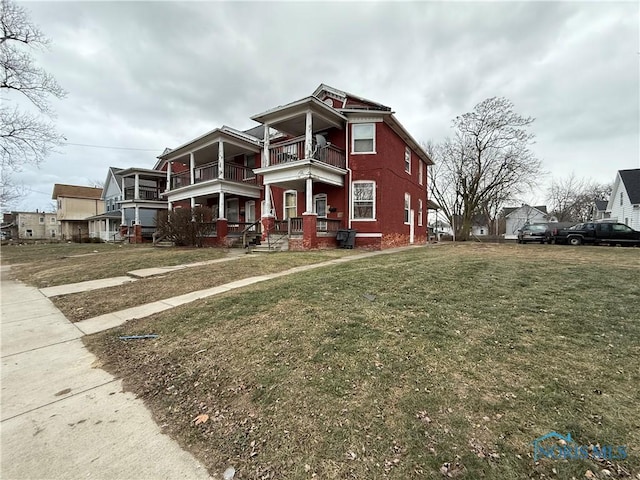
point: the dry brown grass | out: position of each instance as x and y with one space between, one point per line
80 306
464 357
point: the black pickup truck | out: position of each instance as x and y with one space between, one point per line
595 234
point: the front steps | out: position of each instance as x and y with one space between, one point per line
275 243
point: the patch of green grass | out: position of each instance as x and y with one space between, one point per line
465 356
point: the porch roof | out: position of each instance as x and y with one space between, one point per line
224 133
143 172
290 118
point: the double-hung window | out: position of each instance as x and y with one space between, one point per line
420 172
364 138
290 204
407 160
419 212
364 200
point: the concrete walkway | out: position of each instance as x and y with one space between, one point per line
114 319
62 418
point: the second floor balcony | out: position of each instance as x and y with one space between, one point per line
210 172
144 193
294 149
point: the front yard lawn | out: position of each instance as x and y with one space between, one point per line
431 363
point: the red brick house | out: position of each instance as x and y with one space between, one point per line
328 161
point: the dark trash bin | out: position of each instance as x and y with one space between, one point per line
346 238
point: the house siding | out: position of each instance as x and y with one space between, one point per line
625 213
387 168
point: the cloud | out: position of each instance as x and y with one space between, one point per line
150 75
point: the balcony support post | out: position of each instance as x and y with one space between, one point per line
136 187
168 187
308 135
220 159
265 150
192 168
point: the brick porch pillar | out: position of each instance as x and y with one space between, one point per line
222 230
137 234
309 231
268 224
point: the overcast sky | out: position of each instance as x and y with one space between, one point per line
153 75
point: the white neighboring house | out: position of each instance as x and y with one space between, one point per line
518 217
624 203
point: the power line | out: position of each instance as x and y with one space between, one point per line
112 148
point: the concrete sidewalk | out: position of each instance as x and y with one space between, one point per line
60 417
114 319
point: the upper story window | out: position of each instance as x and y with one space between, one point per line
420 172
364 138
407 159
59 204
621 198
41 219
364 200
52 220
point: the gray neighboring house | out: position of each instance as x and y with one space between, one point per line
518 217
599 211
106 225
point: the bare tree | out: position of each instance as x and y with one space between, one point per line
26 137
572 198
486 163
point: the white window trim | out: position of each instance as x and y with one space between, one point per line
407 209
420 172
318 196
284 203
407 150
353 139
420 212
353 203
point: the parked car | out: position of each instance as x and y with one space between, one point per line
536 232
595 233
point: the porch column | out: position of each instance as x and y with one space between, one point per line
221 212
309 192
168 187
267 200
169 206
192 167
308 136
137 215
265 149
136 186
193 202
122 220
124 195
220 159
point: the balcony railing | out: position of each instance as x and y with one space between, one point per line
144 193
204 173
293 150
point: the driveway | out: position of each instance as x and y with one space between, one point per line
60 416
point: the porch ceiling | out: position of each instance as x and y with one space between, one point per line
291 118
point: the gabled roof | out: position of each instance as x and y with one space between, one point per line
631 181
369 104
601 205
510 210
76 191
112 174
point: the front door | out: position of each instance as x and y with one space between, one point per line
233 215
412 225
320 208
250 212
